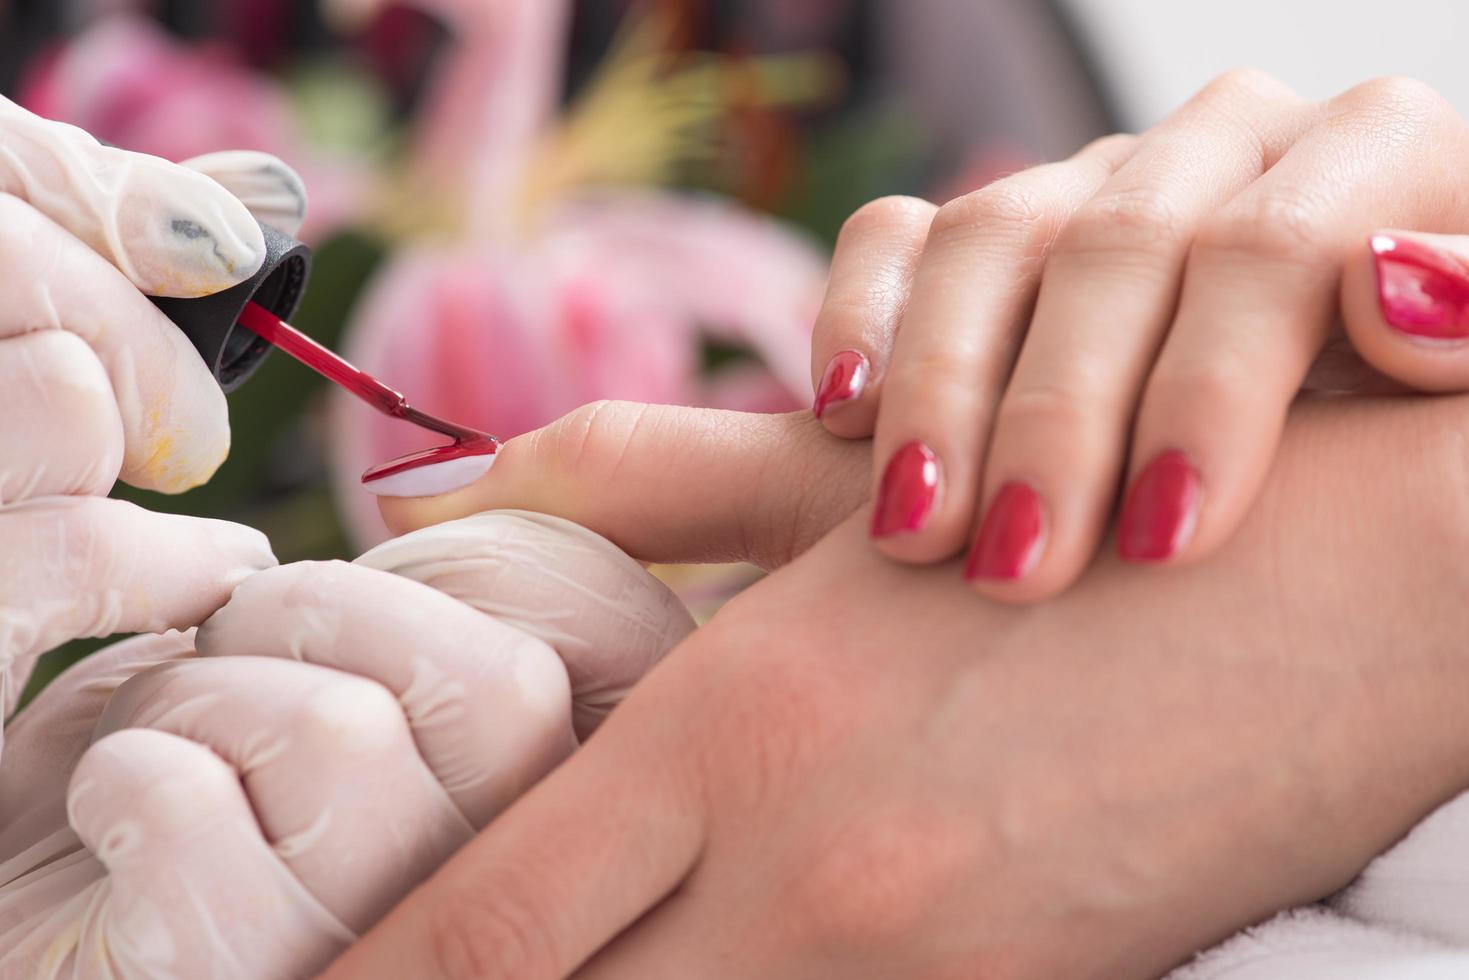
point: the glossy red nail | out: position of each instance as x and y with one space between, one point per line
842 381
909 489
1011 536
1162 510
1423 290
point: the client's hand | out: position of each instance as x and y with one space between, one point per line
245 816
1147 309
858 770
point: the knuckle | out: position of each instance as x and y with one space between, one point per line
1215 383
475 936
1281 229
1051 409
1135 221
160 781
1397 94
589 442
88 540
846 319
349 716
1395 113
1008 208
1114 146
885 214
939 383
1243 83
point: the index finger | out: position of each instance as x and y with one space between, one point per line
170 230
173 415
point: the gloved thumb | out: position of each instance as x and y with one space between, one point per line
670 484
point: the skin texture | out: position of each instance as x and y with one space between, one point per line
243 810
860 770
1064 327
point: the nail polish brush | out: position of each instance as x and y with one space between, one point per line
235 329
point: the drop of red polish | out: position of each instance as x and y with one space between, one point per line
467 441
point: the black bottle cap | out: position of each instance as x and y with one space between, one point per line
212 322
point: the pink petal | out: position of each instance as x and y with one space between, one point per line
491 100
710 263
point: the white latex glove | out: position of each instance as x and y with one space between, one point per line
347 726
95 383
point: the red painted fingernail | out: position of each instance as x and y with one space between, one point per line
1423 290
1161 511
843 380
1011 537
910 486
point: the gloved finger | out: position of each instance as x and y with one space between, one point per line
194 888
45 740
670 484
608 619
175 424
274 193
90 566
43 892
74 442
170 230
587 853
327 762
489 705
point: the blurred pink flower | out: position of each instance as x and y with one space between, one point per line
611 301
549 293
128 82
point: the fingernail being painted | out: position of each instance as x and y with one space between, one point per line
392 479
427 473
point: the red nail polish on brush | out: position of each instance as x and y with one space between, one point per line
234 329
467 442
1161 510
1423 289
1011 537
908 492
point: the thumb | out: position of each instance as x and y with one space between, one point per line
1405 306
670 484
171 230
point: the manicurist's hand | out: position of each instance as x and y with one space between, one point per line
857 769
1139 316
245 811
96 384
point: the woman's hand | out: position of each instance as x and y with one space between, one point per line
1142 314
860 770
95 383
349 727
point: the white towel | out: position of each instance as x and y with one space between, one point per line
1405 918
